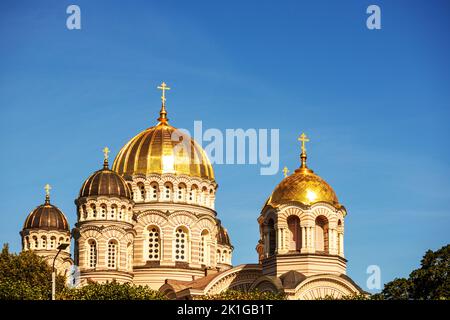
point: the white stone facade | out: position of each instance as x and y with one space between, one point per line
170 228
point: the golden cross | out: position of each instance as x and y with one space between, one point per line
303 138
47 189
285 171
163 87
105 152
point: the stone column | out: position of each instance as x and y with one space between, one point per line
265 242
308 246
304 244
332 238
278 240
282 248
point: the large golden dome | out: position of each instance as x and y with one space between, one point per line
163 149
303 186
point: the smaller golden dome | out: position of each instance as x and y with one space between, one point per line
303 186
105 182
47 217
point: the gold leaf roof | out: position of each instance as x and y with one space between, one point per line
158 150
303 186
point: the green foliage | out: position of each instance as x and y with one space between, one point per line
398 289
249 295
25 276
355 296
430 282
111 291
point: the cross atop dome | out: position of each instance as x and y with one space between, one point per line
285 171
163 87
47 189
163 114
303 139
106 152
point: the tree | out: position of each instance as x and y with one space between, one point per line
25 276
398 289
241 295
430 282
110 291
354 296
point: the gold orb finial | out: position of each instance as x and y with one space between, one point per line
163 114
47 189
303 139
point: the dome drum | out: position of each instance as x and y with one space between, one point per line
176 189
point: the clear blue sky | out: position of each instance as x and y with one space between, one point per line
375 104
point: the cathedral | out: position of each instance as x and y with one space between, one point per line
149 219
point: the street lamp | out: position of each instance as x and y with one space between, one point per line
61 247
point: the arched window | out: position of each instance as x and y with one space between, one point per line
218 256
113 212
211 197
193 193
222 258
142 190
122 212
204 247
27 243
130 256
204 196
84 210
181 244
295 235
271 234
322 234
103 210
181 196
44 242
154 187
60 240
53 242
35 242
92 253
112 254
154 243
93 210
167 191
131 190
